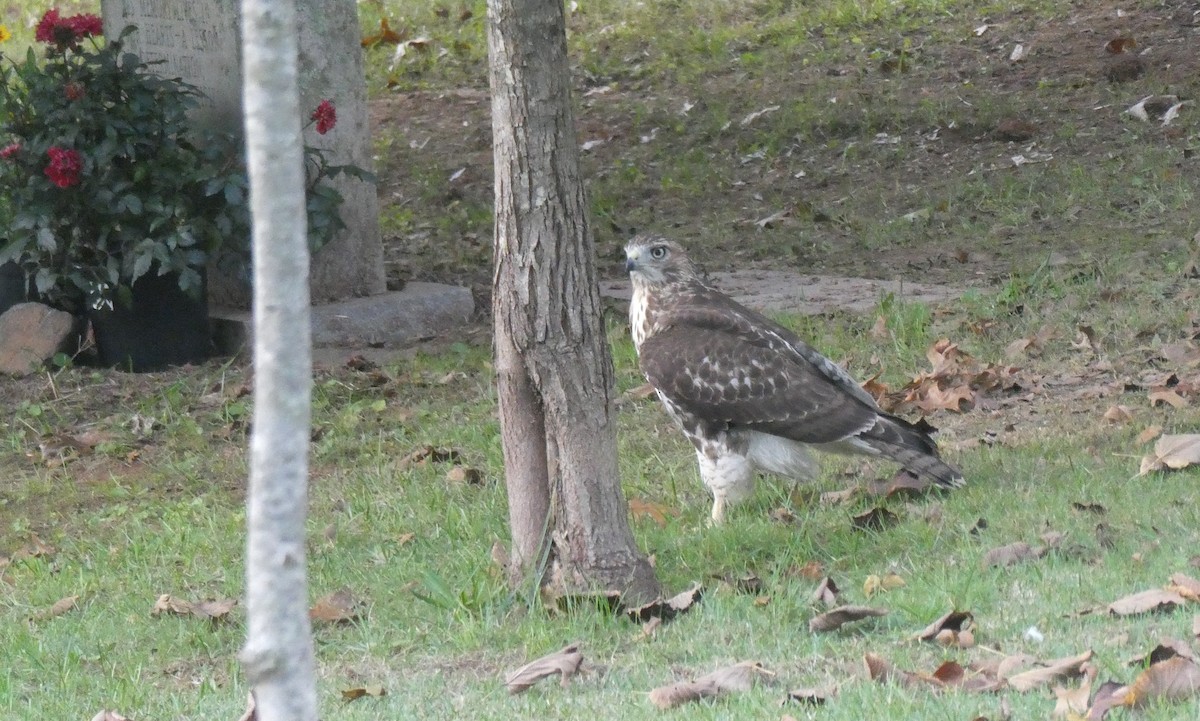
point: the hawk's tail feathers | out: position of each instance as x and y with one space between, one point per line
912 447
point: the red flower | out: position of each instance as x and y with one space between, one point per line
46 27
326 116
85 26
64 166
73 91
65 32
10 150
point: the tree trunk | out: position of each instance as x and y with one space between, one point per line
278 656
554 372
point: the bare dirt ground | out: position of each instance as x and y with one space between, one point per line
908 170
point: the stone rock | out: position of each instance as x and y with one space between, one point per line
30 334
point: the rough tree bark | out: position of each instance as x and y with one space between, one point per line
554 372
278 656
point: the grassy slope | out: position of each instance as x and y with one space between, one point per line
881 110
441 629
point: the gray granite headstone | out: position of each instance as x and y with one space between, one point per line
198 40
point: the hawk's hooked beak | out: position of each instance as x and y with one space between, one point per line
631 262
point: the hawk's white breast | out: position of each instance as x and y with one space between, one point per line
639 325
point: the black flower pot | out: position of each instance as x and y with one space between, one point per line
12 286
162 327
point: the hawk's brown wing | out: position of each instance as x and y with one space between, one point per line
732 367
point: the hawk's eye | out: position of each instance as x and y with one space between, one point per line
658 252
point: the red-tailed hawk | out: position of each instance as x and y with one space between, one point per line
747 392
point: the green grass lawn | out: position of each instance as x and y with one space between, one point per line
118 489
154 513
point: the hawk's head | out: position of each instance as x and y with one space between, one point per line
652 260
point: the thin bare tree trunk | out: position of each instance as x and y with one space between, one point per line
278 656
554 373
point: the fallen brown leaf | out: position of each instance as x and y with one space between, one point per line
1180 354
385 35
881 670
962 639
167 603
1185 586
214 610
782 515
936 398
429 454
1175 679
1069 667
1156 600
837 498
1004 667
1118 414
1110 695
1018 348
1149 434
1009 555
1071 703
879 584
953 621
649 627
746 583
1174 452
875 519
657 512
61 606
1118 45
338 607
812 570
677 694
879 331
353 694
1086 339
739 677
465 474
949 673
836 618
1169 397
1166 649
826 592
35 548
875 388
669 608
564 662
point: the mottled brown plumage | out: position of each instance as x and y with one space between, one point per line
747 392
